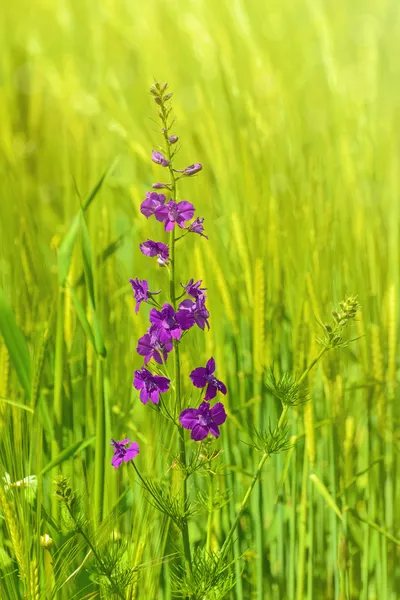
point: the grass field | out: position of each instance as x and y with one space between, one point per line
293 109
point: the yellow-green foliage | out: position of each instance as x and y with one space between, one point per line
292 108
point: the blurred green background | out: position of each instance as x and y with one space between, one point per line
293 108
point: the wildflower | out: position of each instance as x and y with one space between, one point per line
164 320
159 159
197 227
150 386
204 376
198 311
191 170
158 249
203 420
173 139
141 291
123 454
154 344
194 289
173 212
152 201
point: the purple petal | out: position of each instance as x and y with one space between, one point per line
155 397
138 380
214 430
116 461
169 225
188 418
218 413
161 382
199 433
199 377
210 366
144 396
211 392
185 210
132 451
161 213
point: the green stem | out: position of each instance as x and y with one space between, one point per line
178 402
100 443
264 457
80 530
210 513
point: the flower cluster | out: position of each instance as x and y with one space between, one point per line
169 322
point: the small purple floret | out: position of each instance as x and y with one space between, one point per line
197 227
194 289
204 376
173 212
159 159
198 311
152 202
151 248
155 344
123 454
165 323
141 291
203 420
150 386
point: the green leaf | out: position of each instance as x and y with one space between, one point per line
81 314
67 246
67 453
326 495
17 404
16 344
88 271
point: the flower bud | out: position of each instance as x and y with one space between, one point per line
46 541
159 186
159 159
167 97
192 169
153 91
173 139
158 100
164 86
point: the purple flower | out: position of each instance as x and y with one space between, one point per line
159 159
154 344
160 186
141 291
203 420
164 321
173 212
198 311
197 227
194 289
191 170
158 249
123 454
153 201
150 386
204 376
173 139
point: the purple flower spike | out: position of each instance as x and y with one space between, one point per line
154 344
164 321
123 454
158 249
159 159
194 289
198 311
197 227
150 386
204 376
203 420
152 202
173 212
141 291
